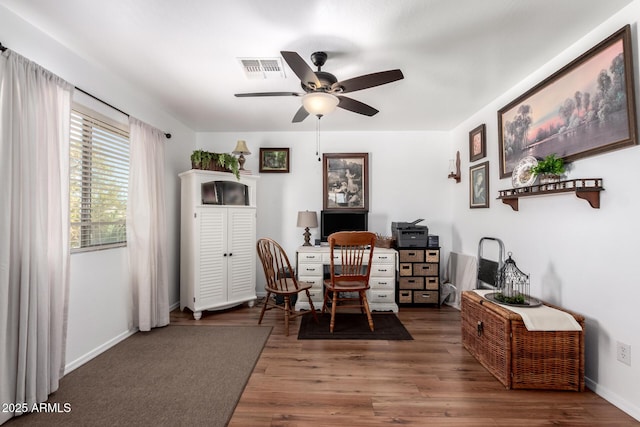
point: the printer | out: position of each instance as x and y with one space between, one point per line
410 234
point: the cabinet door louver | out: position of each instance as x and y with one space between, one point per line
212 260
242 240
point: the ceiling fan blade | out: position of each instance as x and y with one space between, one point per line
240 95
301 114
356 106
301 68
368 80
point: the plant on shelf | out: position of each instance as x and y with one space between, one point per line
201 159
196 159
549 169
227 161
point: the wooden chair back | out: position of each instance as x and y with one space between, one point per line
349 248
277 269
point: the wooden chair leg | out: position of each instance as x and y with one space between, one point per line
287 308
264 307
363 296
324 301
311 307
334 303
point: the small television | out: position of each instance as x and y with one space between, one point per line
332 221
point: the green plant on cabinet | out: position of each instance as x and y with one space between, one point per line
201 159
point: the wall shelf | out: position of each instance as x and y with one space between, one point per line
586 188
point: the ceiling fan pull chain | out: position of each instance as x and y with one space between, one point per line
318 138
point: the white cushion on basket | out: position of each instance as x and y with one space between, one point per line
541 318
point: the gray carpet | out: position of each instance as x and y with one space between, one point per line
176 375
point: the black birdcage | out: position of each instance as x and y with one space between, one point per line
513 286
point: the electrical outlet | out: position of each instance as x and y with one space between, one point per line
624 353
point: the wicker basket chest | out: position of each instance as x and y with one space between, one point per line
517 357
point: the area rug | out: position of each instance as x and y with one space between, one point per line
353 326
176 375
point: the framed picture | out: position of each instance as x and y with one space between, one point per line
345 181
274 160
479 185
477 143
585 108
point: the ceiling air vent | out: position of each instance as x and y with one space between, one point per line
262 68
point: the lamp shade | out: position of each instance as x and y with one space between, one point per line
319 103
241 148
307 219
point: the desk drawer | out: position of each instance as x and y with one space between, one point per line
382 283
374 295
383 258
317 296
310 257
305 269
383 270
315 282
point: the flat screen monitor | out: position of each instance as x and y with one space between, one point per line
332 221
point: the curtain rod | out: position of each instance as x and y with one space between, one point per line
167 135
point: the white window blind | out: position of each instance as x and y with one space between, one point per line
99 175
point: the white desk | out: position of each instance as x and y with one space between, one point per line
310 262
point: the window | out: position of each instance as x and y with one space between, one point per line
99 175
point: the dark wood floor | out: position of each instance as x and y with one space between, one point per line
431 380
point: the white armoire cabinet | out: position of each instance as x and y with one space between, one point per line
217 240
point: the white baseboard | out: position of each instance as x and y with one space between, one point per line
614 399
95 352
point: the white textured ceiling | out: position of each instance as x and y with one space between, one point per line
456 55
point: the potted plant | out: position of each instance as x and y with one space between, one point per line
225 162
196 159
549 169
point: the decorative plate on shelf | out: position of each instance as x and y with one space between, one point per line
522 176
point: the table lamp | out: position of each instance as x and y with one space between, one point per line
307 220
241 148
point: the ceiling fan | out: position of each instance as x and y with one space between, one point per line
323 91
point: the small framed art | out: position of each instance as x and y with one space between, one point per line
477 143
274 160
479 185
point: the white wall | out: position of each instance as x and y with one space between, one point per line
578 257
98 287
407 172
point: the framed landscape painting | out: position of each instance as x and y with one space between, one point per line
274 160
345 181
585 108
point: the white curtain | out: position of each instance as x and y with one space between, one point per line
146 227
35 108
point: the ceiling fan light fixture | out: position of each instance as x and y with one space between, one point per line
319 103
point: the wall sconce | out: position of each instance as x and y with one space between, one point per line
241 148
307 220
455 173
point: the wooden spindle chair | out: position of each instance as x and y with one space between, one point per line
281 281
351 255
